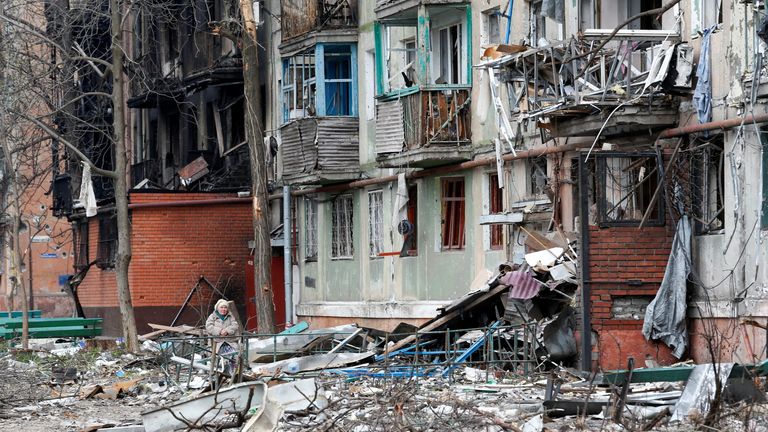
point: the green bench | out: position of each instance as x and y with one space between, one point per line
37 313
51 327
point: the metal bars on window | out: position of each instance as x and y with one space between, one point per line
310 228
342 245
452 201
625 184
375 223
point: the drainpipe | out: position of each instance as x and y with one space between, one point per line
287 265
720 124
586 289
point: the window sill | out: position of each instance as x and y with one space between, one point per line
342 258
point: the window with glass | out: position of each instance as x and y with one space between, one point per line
320 81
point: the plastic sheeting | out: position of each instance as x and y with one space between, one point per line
665 315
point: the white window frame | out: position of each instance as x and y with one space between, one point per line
441 57
310 229
342 227
375 223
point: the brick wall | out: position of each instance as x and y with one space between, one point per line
625 263
172 247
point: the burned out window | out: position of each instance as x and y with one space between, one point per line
452 211
310 229
342 245
495 205
107 252
537 176
492 26
81 244
708 186
706 13
375 223
624 186
320 81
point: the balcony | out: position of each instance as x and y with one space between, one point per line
624 88
426 128
302 17
320 150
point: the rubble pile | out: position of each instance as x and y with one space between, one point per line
497 359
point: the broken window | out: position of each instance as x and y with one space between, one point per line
320 82
587 14
410 239
648 22
706 13
708 186
375 223
341 238
452 200
107 251
445 39
449 55
625 184
538 24
298 86
310 229
496 205
492 25
537 176
81 244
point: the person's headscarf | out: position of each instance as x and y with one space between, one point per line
216 308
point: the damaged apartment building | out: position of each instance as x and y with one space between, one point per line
188 161
427 142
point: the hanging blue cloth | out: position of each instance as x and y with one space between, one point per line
702 97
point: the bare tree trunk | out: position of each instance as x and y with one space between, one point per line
12 191
123 258
265 305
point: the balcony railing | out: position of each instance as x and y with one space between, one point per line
434 123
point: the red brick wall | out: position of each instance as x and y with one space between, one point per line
172 247
625 261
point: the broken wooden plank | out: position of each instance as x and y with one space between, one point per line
183 329
447 317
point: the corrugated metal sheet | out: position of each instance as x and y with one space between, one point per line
390 137
322 143
298 146
338 143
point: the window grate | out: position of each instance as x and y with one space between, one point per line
341 241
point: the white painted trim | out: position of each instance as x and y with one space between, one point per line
371 309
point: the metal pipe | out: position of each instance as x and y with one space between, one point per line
448 168
720 124
586 318
287 265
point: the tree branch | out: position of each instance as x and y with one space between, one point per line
96 170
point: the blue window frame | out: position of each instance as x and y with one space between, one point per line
321 81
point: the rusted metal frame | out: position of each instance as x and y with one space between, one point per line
450 119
